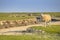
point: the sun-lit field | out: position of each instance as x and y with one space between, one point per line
29 37
29 19
51 32
51 29
14 16
19 16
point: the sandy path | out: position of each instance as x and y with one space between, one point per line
25 27
18 28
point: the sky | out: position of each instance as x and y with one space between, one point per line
29 5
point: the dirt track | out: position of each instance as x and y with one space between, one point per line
25 27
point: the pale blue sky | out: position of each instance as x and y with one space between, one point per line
29 5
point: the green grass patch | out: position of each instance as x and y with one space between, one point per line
29 37
52 29
15 18
6 15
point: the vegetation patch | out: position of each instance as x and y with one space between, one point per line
51 29
29 37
